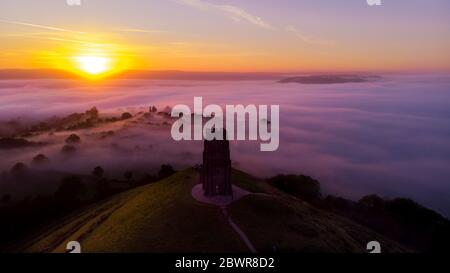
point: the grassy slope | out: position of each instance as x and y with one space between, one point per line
275 220
163 217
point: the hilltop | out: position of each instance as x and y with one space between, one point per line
164 217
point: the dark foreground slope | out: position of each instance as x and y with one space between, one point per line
163 217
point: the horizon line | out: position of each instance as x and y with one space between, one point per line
54 73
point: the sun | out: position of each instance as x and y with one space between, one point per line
92 61
93 65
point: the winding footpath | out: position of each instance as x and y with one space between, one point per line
223 202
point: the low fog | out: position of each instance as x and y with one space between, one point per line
389 136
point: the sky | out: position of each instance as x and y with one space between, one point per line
234 35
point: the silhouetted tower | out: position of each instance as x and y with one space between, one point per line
216 171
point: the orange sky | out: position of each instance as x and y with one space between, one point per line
201 35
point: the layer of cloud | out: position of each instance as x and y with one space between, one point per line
51 28
238 14
235 13
140 30
388 137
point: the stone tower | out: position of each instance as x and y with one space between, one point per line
216 171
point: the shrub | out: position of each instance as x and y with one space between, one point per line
92 113
300 186
71 189
40 159
410 213
98 172
126 115
72 139
422 227
19 169
68 149
165 171
128 175
372 201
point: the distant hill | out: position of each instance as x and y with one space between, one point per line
23 74
163 217
329 79
29 74
198 76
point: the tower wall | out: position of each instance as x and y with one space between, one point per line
216 171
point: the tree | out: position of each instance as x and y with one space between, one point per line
372 201
40 159
92 113
165 171
98 172
128 175
424 228
19 169
71 189
126 115
301 186
410 213
72 139
68 149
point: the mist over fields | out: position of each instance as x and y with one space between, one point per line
389 136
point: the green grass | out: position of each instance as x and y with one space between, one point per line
283 224
163 217
248 182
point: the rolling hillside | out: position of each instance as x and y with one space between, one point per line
164 217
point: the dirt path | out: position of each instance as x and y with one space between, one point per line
223 202
239 231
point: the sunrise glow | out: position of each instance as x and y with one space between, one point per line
93 65
252 38
93 60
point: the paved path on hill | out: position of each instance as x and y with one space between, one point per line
223 202
239 231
